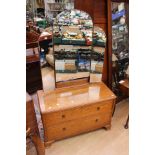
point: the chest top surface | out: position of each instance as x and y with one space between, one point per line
65 98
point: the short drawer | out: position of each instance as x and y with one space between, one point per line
76 113
75 127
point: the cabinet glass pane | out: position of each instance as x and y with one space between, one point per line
120 43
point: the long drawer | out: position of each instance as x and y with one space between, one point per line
75 127
50 119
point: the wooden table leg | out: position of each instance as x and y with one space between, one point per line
38 144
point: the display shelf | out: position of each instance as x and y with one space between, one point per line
77 61
118 25
53 8
99 37
72 44
100 44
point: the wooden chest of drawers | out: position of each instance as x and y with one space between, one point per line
70 111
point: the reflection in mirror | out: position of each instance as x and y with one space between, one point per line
72 44
97 56
54 7
40 15
46 55
120 43
30 9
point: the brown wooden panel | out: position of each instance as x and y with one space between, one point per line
85 5
100 11
103 26
72 83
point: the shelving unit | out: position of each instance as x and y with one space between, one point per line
54 7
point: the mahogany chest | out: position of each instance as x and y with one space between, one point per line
74 110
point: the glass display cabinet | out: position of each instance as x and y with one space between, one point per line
120 43
72 45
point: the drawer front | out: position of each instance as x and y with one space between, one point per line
76 127
58 117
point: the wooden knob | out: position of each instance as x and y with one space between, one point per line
63 129
96 120
98 108
63 116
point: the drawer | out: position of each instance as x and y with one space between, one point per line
75 127
76 113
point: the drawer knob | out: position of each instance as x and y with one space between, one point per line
98 108
96 120
63 116
63 129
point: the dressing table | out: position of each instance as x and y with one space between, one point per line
81 102
74 110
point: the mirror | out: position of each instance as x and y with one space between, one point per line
40 16
72 45
97 56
